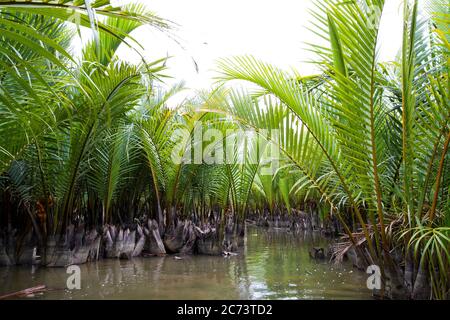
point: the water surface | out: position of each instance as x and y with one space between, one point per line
273 265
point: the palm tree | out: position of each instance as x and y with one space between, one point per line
69 119
364 139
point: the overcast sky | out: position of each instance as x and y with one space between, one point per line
272 30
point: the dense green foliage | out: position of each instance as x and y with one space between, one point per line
92 139
374 137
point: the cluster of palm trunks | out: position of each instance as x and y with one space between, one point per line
79 244
298 220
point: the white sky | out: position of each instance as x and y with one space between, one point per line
271 30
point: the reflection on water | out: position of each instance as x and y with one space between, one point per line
274 265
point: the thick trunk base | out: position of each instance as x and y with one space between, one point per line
153 242
79 247
208 241
123 243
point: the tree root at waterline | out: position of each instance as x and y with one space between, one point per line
79 245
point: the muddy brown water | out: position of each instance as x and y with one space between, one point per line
275 264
